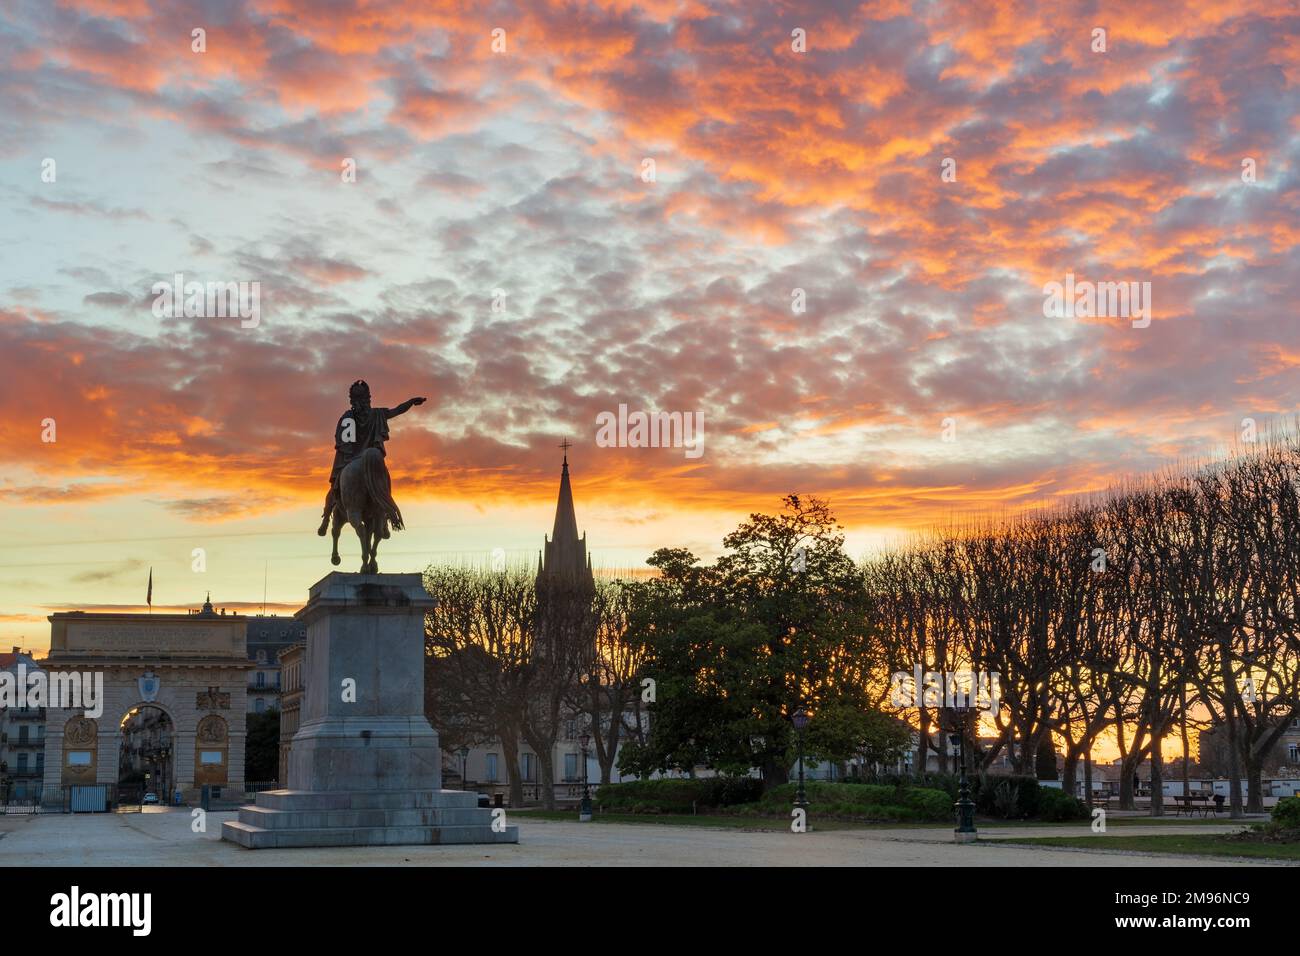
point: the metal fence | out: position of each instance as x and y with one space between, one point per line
81 798
100 798
24 798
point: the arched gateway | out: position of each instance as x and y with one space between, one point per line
191 667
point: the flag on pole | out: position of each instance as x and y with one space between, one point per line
149 597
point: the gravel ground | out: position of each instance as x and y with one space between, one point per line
163 837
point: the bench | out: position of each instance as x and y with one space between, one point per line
1193 803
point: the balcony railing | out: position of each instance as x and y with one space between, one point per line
26 713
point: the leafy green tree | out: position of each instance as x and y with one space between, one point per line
778 622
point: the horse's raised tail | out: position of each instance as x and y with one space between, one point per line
379 486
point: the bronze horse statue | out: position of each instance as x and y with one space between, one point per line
360 491
365 501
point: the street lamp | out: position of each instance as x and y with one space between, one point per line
464 760
800 721
584 813
965 806
165 757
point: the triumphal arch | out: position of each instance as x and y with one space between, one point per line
190 667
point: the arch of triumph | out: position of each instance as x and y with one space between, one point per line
190 666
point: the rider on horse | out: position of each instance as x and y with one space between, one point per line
359 428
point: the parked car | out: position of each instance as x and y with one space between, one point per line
150 798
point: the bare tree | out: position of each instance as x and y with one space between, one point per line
479 642
608 685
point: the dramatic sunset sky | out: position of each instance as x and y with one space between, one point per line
521 171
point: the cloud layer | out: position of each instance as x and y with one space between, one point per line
502 252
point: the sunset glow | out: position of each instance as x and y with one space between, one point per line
502 253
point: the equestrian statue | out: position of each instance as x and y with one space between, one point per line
360 490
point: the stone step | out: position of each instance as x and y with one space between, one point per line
258 838
366 799
268 818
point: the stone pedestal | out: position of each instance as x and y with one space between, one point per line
364 766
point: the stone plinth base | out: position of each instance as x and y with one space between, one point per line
364 767
959 837
300 818
365 753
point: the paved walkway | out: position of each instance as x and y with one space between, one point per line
162 837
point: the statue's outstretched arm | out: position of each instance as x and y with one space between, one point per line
405 406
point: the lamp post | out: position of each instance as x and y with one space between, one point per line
965 806
464 763
800 721
584 813
163 767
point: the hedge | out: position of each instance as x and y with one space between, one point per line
685 795
1005 797
863 800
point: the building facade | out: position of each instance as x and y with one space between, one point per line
22 738
192 668
267 636
291 663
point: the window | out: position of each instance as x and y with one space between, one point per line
570 766
210 757
570 729
22 763
1294 754
261 679
491 768
259 706
22 734
40 763
529 768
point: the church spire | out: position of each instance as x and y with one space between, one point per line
566 522
565 554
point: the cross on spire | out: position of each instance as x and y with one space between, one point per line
566 445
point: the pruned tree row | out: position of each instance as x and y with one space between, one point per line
1161 609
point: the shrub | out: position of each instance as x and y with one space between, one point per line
1056 806
678 795
1286 815
1007 797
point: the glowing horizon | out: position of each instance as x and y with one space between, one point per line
502 252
